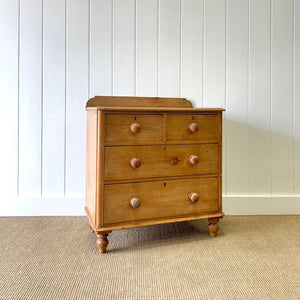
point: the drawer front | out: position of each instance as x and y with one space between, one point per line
133 129
160 199
134 162
192 127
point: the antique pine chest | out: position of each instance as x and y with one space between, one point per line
151 161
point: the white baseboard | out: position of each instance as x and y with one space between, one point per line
73 206
260 205
43 206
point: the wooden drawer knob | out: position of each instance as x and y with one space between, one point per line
135 127
135 202
135 162
193 127
193 197
193 159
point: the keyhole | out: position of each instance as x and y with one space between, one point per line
192 118
135 118
165 184
164 148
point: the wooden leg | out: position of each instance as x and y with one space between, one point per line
213 226
102 241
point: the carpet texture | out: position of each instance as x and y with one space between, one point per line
255 257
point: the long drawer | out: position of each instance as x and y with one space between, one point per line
136 162
159 199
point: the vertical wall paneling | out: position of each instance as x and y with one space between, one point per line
192 18
214 54
282 97
243 55
297 97
9 13
259 99
30 98
214 62
237 98
54 97
146 48
124 48
100 47
169 48
76 94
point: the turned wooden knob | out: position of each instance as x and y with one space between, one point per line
135 202
135 127
135 162
193 159
193 127
193 197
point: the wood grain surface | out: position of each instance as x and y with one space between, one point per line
178 127
91 164
160 161
159 199
102 101
117 129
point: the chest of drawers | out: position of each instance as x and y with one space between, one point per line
151 161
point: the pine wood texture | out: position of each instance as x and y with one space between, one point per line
100 169
102 241
133 129
151 161
159 199
192 127
91 164
160 161
213 226
115 101
134 109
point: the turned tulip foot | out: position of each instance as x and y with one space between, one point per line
213 226
102 241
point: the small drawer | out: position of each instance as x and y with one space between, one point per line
198 127
160 199
133 129
134 162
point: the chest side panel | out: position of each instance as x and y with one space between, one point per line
91 163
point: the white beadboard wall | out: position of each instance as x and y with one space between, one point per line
243 55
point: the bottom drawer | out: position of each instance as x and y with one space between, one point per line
159 199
